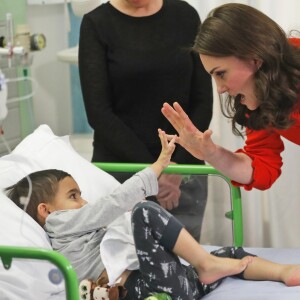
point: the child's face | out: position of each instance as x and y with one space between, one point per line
67 197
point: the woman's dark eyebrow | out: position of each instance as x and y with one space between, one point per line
212 70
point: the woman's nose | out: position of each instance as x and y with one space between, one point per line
221 89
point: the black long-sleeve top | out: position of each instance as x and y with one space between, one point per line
129 66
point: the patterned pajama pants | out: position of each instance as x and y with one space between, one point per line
155 233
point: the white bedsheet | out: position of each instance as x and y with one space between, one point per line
236 289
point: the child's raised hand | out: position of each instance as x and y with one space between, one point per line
167 150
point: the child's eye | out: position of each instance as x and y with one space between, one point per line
73 196
76 195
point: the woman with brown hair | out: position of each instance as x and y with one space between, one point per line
257 68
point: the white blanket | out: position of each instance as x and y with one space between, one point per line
117 248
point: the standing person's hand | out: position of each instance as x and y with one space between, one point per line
198 143
169 191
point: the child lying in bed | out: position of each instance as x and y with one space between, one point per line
76 229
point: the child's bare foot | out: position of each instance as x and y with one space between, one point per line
215 268
291 275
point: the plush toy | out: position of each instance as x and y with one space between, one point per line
90 290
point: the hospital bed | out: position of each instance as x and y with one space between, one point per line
44 150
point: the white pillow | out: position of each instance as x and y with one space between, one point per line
44 150
40 150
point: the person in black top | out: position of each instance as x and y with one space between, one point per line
134 55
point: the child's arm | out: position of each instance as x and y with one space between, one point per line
164 158
122 199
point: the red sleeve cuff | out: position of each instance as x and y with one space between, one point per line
264 175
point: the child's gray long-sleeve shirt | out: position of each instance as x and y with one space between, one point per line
77 233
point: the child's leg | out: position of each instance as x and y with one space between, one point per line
154 231
209 267
261 269
168 236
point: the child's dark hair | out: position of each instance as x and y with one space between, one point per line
42 186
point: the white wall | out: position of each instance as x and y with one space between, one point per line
52 103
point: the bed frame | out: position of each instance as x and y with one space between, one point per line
7 253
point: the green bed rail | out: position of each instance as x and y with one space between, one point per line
236 214
8 253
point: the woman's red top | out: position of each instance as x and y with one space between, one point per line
264 148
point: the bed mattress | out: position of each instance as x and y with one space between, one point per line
233 288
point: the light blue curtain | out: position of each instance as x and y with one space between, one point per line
79 119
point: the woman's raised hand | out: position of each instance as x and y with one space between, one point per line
198 143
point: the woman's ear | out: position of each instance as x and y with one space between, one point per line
258 63
43 211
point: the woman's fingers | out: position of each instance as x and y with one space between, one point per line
182 114
172 115
178 117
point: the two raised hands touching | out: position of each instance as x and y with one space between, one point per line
197 143
236 166
167 149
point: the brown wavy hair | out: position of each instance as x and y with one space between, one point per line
244 32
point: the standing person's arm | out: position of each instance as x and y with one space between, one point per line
97 95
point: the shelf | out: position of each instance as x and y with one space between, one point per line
69 55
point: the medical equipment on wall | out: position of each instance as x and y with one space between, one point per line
14 53
15 48
3 115
3 99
